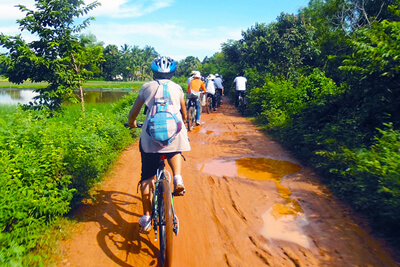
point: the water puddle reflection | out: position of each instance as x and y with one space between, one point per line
284 221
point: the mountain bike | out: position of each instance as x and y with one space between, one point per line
218 97
241 102
209 106
191 114
164 220
163 213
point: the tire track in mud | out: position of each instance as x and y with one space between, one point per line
221 216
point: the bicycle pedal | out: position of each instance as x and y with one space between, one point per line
181 193
142 231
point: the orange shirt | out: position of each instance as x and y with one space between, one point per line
195 85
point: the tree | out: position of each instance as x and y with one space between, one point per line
280 48
112 64
56 56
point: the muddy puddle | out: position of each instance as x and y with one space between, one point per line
284 220
216 132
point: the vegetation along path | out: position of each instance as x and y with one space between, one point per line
248 203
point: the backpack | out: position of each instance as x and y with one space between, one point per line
162 124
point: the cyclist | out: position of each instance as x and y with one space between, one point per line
163 69
210 87
195 86
240 84
191 76
219 85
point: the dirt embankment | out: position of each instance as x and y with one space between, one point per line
248 202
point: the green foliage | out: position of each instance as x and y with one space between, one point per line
279 100
375 172
130 62
56 57
377 50
47 164
187 65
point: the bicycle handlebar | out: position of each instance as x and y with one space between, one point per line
138 125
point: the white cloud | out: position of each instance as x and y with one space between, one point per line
168 39
129 9
10 13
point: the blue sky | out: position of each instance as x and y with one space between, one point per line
176 28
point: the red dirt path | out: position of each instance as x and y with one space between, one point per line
225 220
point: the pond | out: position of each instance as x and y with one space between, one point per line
24 96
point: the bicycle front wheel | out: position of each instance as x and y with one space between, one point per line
166 223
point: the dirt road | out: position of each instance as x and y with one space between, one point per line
248 203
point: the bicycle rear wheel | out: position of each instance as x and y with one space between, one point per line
241 105
191 118
218 99
209 105
166 223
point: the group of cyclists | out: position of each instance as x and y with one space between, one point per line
163 69
213 87
199 87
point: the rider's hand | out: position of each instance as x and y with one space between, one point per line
132 125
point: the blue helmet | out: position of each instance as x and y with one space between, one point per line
163 64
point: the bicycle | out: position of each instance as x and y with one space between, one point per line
209 104
164 219
191 114
218 96
241 102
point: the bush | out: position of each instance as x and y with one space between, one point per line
48 162
375 173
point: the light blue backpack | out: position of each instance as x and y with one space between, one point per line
163 125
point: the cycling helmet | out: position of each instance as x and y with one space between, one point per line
163 64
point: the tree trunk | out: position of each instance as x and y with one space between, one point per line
80 84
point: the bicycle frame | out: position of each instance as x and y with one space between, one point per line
162 174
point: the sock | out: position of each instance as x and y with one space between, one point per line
178 177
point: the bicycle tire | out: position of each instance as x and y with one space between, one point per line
218 99
166 223
209 105
241 105
191 118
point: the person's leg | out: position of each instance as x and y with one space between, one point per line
198 110
149 170
236 98
176 165
147 189
214 102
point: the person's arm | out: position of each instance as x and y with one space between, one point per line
189 90
134 112
183 109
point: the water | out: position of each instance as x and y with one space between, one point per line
12 96
24 96
285 219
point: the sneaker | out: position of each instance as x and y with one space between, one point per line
178 185
197 122
145 223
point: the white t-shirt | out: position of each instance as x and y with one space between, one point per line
240 82
181 141
210 87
